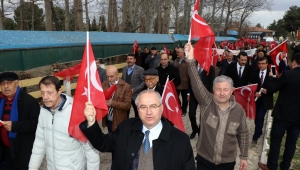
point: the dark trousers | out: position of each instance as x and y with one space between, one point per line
259 119
278 130
203 164
136 113
10 163
184 102
109 125
193 104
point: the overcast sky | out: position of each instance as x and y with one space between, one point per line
265 18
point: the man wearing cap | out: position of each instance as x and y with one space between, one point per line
19 114
151 58
151 81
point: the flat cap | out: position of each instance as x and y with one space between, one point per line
151 71
8 76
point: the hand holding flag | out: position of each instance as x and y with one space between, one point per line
88 88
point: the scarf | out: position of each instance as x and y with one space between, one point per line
14 114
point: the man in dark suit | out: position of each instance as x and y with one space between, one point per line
225 62
166 70
144 142
286 116
239 72
207 81
133 75
140 58
264 100
151 79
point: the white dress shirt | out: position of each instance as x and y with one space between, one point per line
154 132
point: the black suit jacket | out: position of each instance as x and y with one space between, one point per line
223 64
287 107
266 99
172 149
232 72
171 71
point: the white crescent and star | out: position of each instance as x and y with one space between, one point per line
93 79
248 89
167 102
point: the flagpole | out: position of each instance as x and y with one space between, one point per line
165 86
88 65
277 46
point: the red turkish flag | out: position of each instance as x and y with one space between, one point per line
172 109
203 49
81 94
110 91
166 50
215 57
277 53
245 96
69 73
273 44
135 46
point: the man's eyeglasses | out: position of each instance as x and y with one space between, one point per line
151 107
150 79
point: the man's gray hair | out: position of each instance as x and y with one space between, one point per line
148 91
223 78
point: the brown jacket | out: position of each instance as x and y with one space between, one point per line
184 75
121 103
220 132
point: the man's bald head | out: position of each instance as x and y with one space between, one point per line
112 74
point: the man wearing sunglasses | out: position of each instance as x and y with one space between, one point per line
151 79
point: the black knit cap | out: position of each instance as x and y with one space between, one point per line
151 71
8 76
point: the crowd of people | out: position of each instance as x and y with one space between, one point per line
148 140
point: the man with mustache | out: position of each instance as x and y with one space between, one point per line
133 75
240 71
19 114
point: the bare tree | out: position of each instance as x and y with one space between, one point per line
112 17
67 15
78 15
32 16
2 16
48 15
249 7
166 19
186 17
232 6
87 19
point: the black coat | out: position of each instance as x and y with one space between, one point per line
171 151
29 110
266 99
287 107
171 71
295 48
223 64
231 71
158 89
